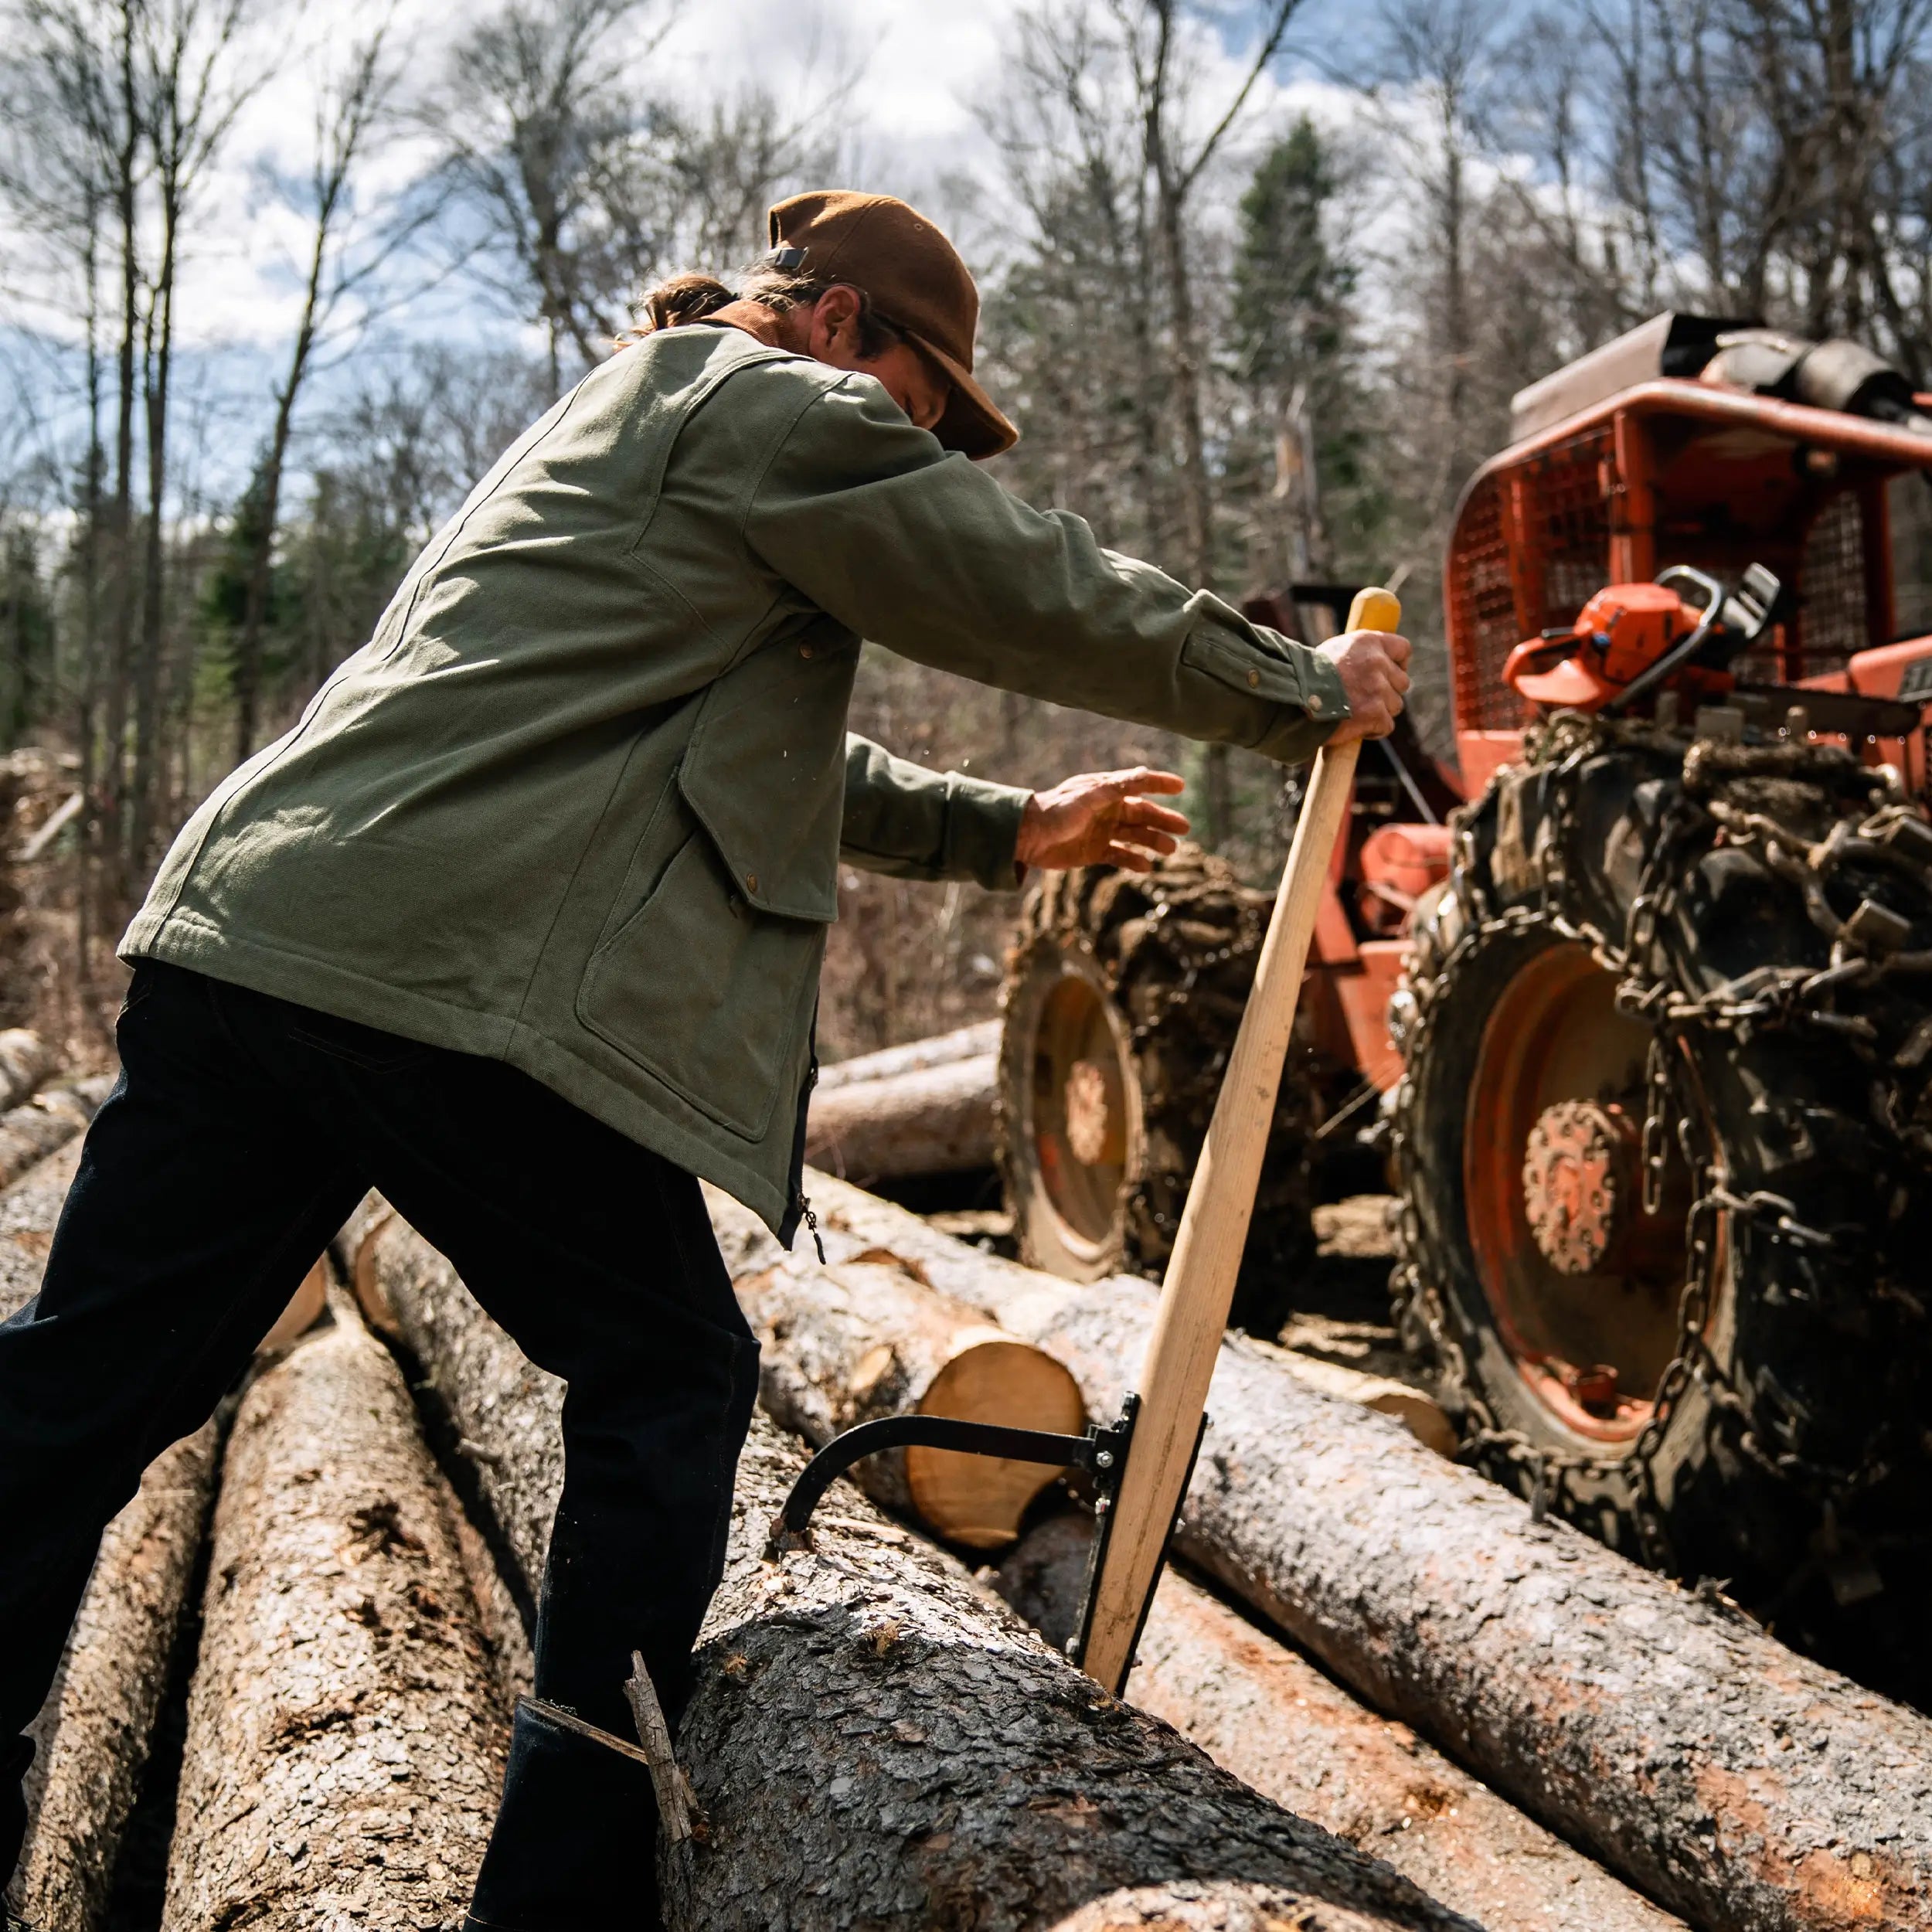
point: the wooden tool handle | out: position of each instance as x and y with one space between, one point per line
1199 1289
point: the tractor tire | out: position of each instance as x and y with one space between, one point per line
1633 969
1124 994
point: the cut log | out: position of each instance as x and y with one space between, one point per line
1263 1711
842 1345
93 1735
346 1736
1744 1787
1022 1300
506 1413
30 1132
25 1060
875 1743
963 1043
29 1212
927 1120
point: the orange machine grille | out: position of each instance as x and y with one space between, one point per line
1833 614
1562 547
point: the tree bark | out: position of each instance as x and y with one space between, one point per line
346 1735
29 1212
841 1345
875 1743
93 1735
30 1133
1261 1711
25 1060
1736 1782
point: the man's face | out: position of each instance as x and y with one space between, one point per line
830 331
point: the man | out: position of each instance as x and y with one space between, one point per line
522 924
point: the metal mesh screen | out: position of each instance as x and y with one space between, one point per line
1563 553
1834 616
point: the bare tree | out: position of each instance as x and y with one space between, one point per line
1177 165
190 88
586 177
351 111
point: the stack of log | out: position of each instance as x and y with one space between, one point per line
923 1109
1480 1719
1669 1735
1711 1771
873 1739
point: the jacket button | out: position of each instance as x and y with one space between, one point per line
1315 705
1254 679
804 650
751 882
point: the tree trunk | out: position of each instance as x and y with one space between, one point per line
30 1133
875 1743
506 1413
345 1734
925 1120
94 1733
872 1739
1261 1711
25 1060
1742 1785
843 1345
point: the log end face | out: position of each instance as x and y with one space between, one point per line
979 1500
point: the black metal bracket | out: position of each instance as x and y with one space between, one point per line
1104 1515
1102 1452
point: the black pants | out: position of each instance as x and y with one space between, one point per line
242 1133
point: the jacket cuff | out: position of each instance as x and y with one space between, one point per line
1295 693
982 831
1300 730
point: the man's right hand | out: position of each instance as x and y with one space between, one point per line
1374 668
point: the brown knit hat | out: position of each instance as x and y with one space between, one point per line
916 281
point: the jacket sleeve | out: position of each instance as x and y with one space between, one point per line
910 823
916 548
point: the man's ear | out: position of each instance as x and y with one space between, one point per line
834 322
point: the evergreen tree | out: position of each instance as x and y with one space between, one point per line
1295 357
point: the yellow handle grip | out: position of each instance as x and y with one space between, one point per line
1374 609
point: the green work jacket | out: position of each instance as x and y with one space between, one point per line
579 803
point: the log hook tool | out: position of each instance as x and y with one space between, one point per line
1142 1464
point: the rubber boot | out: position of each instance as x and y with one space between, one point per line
576 1843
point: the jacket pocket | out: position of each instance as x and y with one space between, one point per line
707 993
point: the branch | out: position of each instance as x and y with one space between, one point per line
1283 11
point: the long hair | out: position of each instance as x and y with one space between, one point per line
691 297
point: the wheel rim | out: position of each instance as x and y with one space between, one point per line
1584 1284
1081 1103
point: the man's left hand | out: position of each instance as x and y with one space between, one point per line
1102 818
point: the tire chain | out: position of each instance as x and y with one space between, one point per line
1771 997
1251 928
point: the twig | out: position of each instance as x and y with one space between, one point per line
677 1804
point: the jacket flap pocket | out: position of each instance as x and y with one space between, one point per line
765 772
